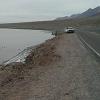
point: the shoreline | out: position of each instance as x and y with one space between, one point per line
21 56
24 56
55 68
39 55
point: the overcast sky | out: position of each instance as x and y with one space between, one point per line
32 10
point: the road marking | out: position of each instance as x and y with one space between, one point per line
98 54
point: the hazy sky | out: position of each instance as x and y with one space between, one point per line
31 10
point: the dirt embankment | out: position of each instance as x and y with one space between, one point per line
41 56
44 54
59 69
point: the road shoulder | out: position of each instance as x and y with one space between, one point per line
69 74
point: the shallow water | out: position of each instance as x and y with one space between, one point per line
13 41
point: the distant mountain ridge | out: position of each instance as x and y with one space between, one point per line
89 13
62 18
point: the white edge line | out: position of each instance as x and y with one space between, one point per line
90 47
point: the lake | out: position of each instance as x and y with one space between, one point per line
13 41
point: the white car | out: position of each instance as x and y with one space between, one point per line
69 30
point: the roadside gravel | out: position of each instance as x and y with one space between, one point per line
75 76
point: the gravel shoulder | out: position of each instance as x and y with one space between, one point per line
59 69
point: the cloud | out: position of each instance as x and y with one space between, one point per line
43 9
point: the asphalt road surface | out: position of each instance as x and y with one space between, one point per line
92 39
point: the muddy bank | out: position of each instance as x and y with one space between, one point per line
44 54
59 69
41 55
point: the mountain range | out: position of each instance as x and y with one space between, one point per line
89 13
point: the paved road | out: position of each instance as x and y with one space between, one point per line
92 39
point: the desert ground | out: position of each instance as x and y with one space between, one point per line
59 69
